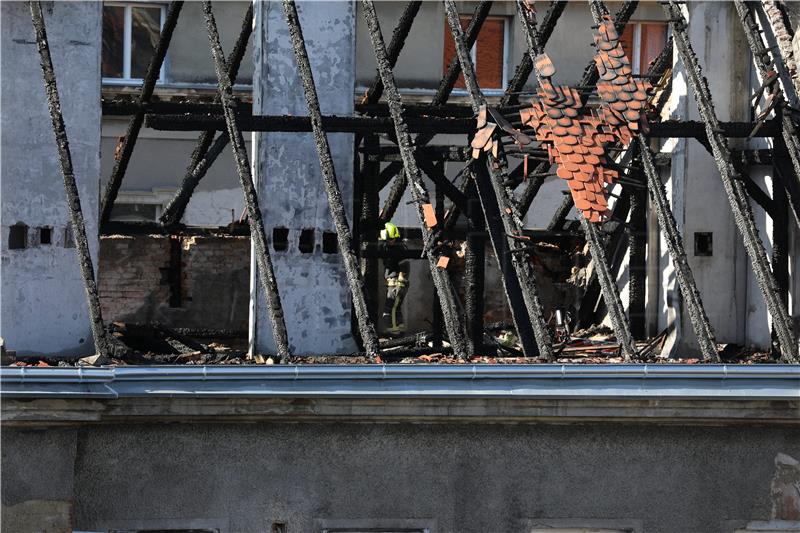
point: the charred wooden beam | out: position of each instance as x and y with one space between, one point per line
608 282
487 170
590 75
335 202
789 132
446 85
562 212
288 123
436 175
370 205
608 286
529 194
780 230
135 124
126 107
441 280
76 219
475 271
683 272
258 237
696 129
437 319
592 310
525 66
734 188
775 16
637 263
204 154
399 36
419 110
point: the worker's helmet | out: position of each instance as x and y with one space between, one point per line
390 232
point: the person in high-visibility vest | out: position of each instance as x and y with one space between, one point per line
396 275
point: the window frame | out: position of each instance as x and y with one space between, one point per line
636 41
473 52
506 52
126 78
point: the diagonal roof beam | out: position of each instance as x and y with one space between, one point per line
70 187
332 189
441 279
765 67
442 94
491 191
135 124
205 153
607 281
525 66
258 236
734 188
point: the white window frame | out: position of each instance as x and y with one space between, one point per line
126 78
506 51
637 42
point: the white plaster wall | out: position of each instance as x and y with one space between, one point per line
313 287
43 303
695 188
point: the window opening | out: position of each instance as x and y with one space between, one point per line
330 244
642 42
703 243
306 241
280 239
18 237
489 53
45 235
130 36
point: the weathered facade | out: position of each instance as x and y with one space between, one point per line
42 298
370 453
701 252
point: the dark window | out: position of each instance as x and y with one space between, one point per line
45 235
330 243
113 48
280 239
130 35
703 243
18 237
306 241
145 29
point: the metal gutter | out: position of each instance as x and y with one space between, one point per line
745 382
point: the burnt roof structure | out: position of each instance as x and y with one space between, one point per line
583 142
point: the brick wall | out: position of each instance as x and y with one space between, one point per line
187 282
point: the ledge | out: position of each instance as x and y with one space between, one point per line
661 394
409 381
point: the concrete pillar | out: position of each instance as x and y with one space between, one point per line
695 189
42 299
313 287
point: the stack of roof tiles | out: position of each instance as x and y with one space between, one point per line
574 140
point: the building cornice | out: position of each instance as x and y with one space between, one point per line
672 394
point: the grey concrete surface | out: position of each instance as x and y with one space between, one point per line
38 465
313 287
189 59
464 478
42 299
